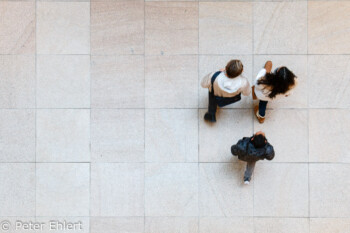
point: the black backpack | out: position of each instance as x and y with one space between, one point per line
222 101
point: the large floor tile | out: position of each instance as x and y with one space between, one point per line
170 0
63 135
63 81
62 0
216 139
225 28
117 27
117 189
327 225
212 63
221 1
117 224
17 193
328 27
287 131
298 65
17 86
171 82
328 143
329 81
17 133
171 135
62 189
287 193
222 192
280 27
226 225
17 27
278 225
63 28
64 224
171 225
171 189
117 82
118 0
171 28
329 190
117 135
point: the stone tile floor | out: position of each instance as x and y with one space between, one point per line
101 116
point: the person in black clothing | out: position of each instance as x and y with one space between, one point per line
252 149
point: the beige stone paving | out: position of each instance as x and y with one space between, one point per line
101 116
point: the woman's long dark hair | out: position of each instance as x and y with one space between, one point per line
278 82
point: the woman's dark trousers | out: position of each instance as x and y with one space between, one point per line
262 107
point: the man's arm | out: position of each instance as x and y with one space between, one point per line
234 150
206 81
268 66
246 90
270 152
240 147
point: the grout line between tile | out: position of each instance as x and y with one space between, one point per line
222 109
90 125
35 123
197 54
205 216
198 115
241 1
162 162
308 109
252 115
144 117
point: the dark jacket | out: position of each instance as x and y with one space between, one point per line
246 151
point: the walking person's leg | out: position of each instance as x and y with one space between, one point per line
262 108
260 111
212 106
249 172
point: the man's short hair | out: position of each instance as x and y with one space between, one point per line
259 141
234 68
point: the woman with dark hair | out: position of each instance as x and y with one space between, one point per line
271 86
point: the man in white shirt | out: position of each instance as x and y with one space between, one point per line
225 87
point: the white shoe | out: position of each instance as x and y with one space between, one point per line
246 182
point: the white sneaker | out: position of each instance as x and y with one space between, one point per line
246 182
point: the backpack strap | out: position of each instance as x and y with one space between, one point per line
216 74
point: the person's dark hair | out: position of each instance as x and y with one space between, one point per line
278 82
234 68
259 141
